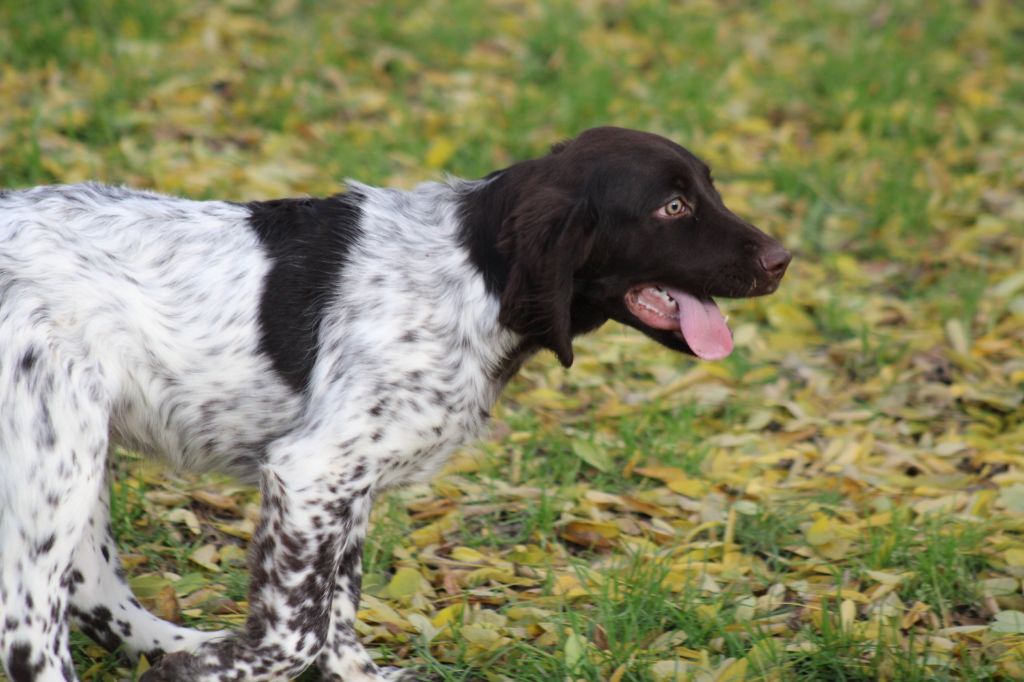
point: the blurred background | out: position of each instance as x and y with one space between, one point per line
842 499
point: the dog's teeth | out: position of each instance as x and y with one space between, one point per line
663 295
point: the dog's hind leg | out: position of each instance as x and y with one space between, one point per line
53 445
102 604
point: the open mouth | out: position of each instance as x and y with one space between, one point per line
697 320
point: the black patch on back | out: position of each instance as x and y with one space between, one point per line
308 241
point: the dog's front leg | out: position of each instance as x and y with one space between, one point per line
343 658
310 517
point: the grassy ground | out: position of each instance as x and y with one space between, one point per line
842 499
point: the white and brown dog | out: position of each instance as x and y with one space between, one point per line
326 349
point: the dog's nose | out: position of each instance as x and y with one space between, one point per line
775 260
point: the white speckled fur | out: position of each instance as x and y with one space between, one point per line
136 315
327 348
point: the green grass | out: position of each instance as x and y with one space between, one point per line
945 557
867 426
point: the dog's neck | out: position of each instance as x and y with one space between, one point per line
488 230
443 271
485 207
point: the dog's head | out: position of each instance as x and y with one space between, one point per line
618 224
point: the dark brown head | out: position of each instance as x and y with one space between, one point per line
617 224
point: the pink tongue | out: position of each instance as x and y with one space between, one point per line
702 325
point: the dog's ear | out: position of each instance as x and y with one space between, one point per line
546 239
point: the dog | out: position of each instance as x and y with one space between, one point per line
324 348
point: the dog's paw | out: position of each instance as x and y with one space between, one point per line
393 674
390 673
175 667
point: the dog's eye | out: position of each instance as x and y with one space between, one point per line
673 209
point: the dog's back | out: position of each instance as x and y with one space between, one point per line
340 346
224 336
160 297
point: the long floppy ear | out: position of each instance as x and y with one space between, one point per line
546 239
